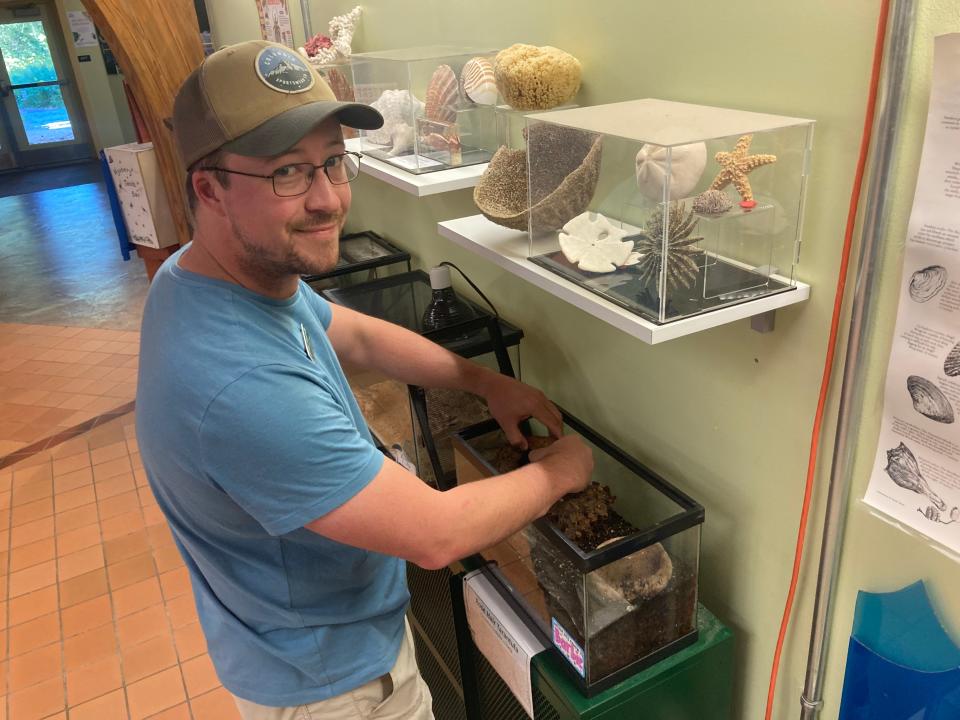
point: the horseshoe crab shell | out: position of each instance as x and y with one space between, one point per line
951 366
929 400
443 95
926 283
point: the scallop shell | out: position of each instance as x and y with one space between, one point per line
477 79
929 400
342 89
926 283
951 366
443 94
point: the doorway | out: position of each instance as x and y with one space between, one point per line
41 118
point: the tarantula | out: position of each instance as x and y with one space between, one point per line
682 269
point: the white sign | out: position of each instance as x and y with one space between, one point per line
83 29
501 636
916 474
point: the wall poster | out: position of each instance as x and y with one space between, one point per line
275 21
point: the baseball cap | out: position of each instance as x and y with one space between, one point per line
256 98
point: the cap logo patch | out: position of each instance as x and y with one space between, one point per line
283 70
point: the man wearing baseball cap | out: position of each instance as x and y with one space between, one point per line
293 526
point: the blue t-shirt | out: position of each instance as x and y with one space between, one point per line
245 439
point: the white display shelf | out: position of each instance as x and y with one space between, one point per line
419 185
508 249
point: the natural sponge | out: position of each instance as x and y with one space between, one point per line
536 78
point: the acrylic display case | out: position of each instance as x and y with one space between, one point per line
339 77
425 94
363 256
623 596
668 209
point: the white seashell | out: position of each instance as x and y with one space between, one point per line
687 163
443 95
398 107
594 243
401 140
479 84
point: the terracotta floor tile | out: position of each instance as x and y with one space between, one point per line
178 712
74 480
190 641
36 490
159 535
199 675
152 515
126 547
215 705
33 578
155 693
75 498
130 571
148 658
116 485
71 463
118 504
32 605
5 498
89 647
121 525
83 587
94 680
34 634
74 446
76 518
182 611
38 701
80 562
175 582
167 558
28 512
111 706
34 667
140 475
109 452
74 540
142 625
37 552
136 597
86 616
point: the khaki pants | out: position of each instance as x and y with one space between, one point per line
399 695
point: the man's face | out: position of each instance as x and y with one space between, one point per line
277 237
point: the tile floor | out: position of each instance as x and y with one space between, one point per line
98 621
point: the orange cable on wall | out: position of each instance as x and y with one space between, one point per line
832 341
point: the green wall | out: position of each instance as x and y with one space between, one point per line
725 414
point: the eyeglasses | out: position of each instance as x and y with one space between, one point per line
296 178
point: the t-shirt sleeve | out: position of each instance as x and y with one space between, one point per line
320 306
281 445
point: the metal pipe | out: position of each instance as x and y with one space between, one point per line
307 24
874 227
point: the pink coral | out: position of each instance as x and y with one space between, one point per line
317 42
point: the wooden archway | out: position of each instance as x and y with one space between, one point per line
157 44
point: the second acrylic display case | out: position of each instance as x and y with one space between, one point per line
437 103
668 209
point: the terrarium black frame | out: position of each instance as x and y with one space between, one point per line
690 515
391 255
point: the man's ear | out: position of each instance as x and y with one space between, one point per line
208 192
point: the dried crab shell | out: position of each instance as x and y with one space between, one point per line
562 187
929 400
639 576
926 283
951 366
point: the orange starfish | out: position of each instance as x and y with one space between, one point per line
736 166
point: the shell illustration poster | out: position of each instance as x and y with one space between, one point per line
916 473
275 21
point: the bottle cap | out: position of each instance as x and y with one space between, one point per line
440 277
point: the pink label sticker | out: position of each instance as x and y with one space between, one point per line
568 647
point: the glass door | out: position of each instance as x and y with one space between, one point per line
41 121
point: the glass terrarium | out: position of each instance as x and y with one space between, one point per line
609 576
437 104
363 256
668 209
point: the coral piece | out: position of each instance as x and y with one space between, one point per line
686 165
682 268
443 95
323 50
736 166
951 366
639 576
903 469
712 202
594 243
926 283
929 400
561 188
536 78
478 82
397 107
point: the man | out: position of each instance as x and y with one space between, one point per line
293 526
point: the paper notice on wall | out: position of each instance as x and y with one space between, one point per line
83 30
501 636
275 21
916 474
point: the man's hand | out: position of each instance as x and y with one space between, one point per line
569 459
511 402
